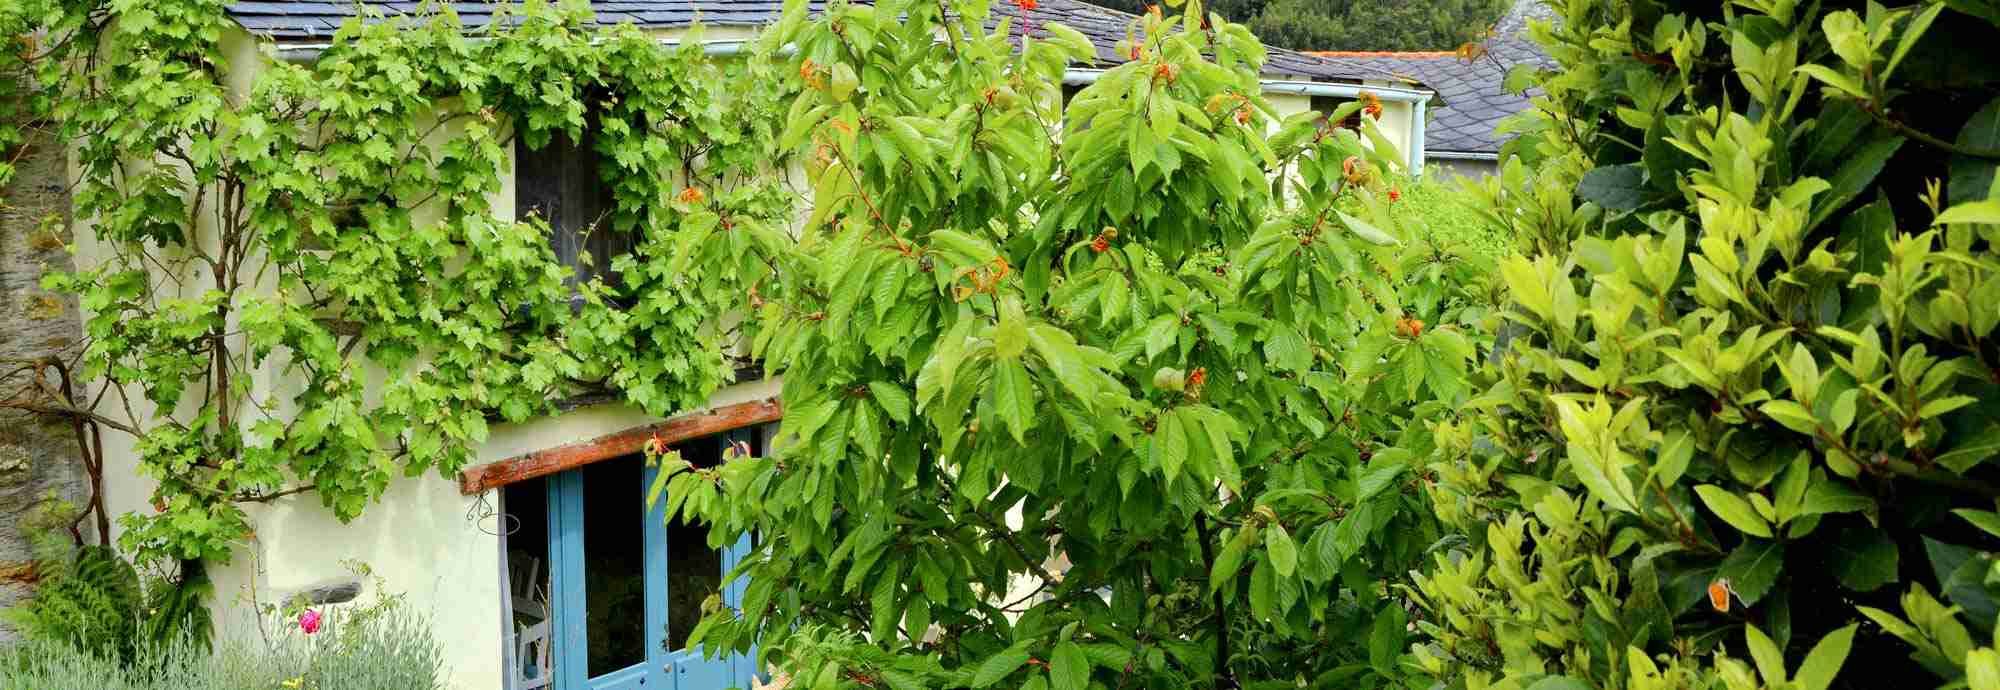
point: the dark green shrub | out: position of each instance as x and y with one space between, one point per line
91 600
1746 394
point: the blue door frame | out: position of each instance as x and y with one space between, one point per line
663 669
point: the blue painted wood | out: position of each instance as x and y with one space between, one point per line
570 649
664 669
743 667
657 655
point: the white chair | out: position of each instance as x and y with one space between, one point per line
531 647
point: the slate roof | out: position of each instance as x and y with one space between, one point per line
316 20
1473 101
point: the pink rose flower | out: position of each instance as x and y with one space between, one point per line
309 621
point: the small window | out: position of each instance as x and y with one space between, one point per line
1325 105
1069 92
560 182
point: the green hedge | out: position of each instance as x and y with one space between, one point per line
1745 391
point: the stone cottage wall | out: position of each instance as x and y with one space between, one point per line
38 455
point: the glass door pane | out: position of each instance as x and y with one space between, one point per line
614 577
694 574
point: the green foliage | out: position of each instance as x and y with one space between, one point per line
1356 24
90 598
385 649
1118 393
308 281
1441 211
1745 381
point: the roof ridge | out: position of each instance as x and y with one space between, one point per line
1414 54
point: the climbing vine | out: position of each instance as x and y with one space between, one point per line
309 277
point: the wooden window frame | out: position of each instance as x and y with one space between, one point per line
555 459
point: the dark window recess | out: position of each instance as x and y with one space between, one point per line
1069 92
560 183
1325 105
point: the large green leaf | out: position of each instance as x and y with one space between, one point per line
1856 173
1070 668
1615 187
1559 683
1961 573
1284 554
1753 568
1733 510
1825 659
997 667
1863 558
1972 177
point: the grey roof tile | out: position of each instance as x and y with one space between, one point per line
317 20
1473 100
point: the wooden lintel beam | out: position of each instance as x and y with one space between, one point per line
549 461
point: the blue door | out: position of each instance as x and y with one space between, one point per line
628 586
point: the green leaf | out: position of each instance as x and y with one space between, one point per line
1231 559
1014 397
1753 569
1973 177
1073 41
1982 669
1911 34
1160 334
1559 683
1069 669
1734 510
1385 642
1835 496
893 399
1835 79
1615 187
1983 519
1059 351
1283 553
1367 232
844 82
997 667
1010 335
1863 558
1770 661
1322 554
1288 350
1961 574
1675 453
1825 659
1854 176
1170 444
1793 415
1381 474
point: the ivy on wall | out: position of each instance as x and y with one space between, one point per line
309 279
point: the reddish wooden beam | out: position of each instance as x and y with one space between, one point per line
549 461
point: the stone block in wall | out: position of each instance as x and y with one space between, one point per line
38 455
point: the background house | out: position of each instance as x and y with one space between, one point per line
465 552
1460 137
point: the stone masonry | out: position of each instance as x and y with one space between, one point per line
37 455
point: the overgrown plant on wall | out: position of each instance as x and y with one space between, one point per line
1747 399
308 282
1103 393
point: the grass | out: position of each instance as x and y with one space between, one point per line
1435 208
